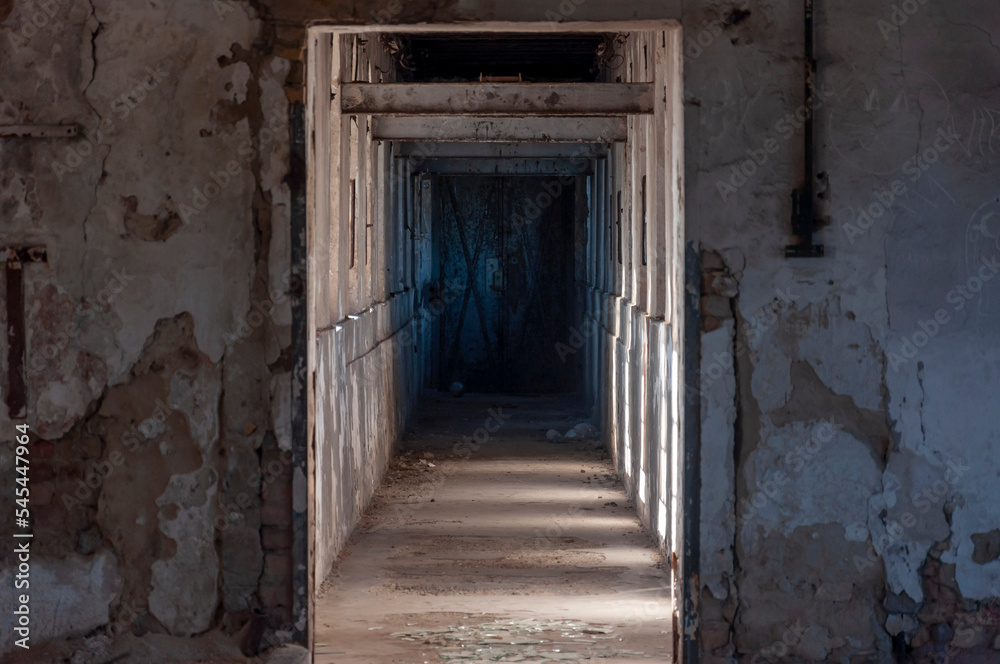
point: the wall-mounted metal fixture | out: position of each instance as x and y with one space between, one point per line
39 131
803 210
15 258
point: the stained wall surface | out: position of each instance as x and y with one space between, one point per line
849 428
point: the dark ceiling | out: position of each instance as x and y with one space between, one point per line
464 57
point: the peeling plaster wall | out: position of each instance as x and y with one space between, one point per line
122 313
158 333
864 431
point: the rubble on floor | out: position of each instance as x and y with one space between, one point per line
581 432
522 641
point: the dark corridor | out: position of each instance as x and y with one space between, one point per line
505 265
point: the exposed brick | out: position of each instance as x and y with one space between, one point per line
276 515
277 538
41 472
276 490
716 306
42 492
42 449
277 566
714 635
711 260
724 285
276 594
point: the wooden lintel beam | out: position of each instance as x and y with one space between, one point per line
501 99
459 166
500 130
500 150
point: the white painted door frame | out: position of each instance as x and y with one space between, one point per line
323 158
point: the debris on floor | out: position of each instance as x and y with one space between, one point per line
580 432
522 641
515 530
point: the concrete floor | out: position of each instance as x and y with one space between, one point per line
519 550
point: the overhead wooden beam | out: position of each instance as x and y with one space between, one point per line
500 150
501 130
585 19
503 99
460 166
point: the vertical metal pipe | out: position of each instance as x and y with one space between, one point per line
810 71
16 389
688 579
301 571
803 212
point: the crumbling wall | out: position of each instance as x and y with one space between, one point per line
158 333
866 378
858 419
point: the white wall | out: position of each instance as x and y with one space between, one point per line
633 321
367 377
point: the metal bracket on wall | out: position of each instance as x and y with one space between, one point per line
803 212
803 226
15 259
39 131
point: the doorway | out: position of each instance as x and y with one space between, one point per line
413 284
504 258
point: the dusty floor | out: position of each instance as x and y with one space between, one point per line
518 550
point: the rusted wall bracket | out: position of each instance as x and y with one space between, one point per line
16 258
39 131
